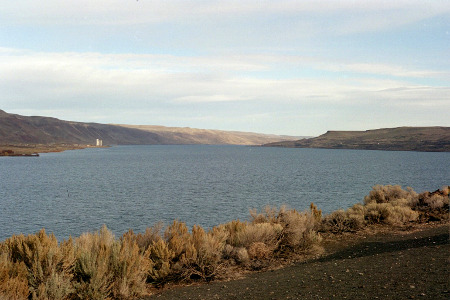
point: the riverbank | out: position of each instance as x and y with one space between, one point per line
377 264
33 149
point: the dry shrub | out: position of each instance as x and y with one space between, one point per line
405 205
267 233
130 270
337 221
203 253
377 212
341 220
355 215
160 261
92 269
107 268
389 214
240 255
270 214
57 286
234 229
316 213
446 190
285 230
259 250
49 265
433 206
13 279
177 236
298 231
146 239
400 215
185 256
436 201
390 193
227 252
388 205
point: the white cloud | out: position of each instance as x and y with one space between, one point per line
385 69
157 89
357 16
179 79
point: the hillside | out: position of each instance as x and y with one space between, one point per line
186 135
398 139
17 129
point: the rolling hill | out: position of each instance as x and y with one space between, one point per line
398 139
186 135
17 129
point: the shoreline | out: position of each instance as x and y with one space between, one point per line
26 150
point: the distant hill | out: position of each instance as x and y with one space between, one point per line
17 129
401 138
186 135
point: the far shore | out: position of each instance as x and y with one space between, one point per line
29 149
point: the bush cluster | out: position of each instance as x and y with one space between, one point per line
390 205
100 266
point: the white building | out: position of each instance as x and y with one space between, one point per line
99 143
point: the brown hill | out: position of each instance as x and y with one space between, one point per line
17 129
401 138
186 135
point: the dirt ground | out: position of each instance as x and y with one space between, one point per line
410 264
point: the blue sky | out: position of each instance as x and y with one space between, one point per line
283 67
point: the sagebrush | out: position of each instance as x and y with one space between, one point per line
97 265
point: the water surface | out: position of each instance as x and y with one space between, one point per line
132 187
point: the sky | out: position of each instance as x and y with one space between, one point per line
279 67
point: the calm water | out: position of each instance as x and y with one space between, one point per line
136 186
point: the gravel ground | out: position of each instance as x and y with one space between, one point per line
392 265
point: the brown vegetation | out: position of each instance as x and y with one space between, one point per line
390 205
99 266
